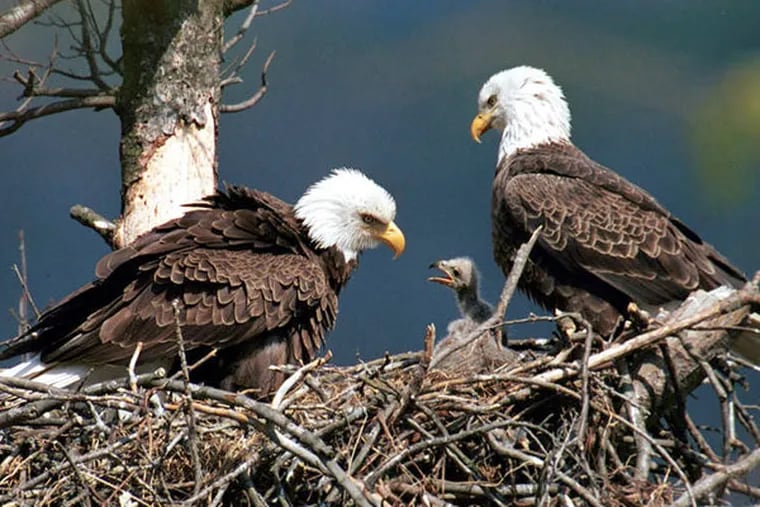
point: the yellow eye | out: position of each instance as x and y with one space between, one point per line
491 101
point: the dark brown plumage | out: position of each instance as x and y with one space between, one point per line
605 242
248 280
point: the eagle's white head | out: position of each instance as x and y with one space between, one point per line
525 104
349 211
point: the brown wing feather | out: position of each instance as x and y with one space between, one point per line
603 236
247 283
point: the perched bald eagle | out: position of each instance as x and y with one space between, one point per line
461 275
255 278
606 242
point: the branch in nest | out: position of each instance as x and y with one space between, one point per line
716 481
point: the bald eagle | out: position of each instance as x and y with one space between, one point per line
461 275
254 277
606 242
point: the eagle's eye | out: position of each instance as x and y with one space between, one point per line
491 101
369 219
456 272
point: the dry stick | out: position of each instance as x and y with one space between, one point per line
713 482
132 365
731 303
192 433
356 489
25 288
583 416
543 383
19 118
638 420
452 449
376 474
23 300
244 26
521 259
256 97
225 479
587 495
93 220
82 458
21 14
720 392
748 421
80 480
212 353
296 377
87 49
394 410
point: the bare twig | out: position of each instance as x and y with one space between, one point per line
583 416
256 97
25 288
637 419
521 259
192 431
244 26
18 118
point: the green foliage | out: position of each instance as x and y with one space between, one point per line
726 135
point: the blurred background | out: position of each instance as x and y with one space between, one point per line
665 93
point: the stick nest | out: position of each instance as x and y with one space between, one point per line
387 432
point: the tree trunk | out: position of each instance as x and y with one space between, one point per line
169 109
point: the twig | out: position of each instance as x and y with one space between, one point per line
538 463
25 288
521 259
225 479
244 26
637 419
296 377
583 416
19 118
715 481
192 432
256 97
133 365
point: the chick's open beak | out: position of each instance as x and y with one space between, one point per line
394 238
447 280
480 124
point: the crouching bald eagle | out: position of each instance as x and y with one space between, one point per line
254 277
605 242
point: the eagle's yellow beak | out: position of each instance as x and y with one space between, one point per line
394 238
480 124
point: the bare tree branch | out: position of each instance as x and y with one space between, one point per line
18 118
256 97
21 14
95 221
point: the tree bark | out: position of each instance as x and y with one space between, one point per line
169 109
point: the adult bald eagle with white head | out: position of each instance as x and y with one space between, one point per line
252 276
606 242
